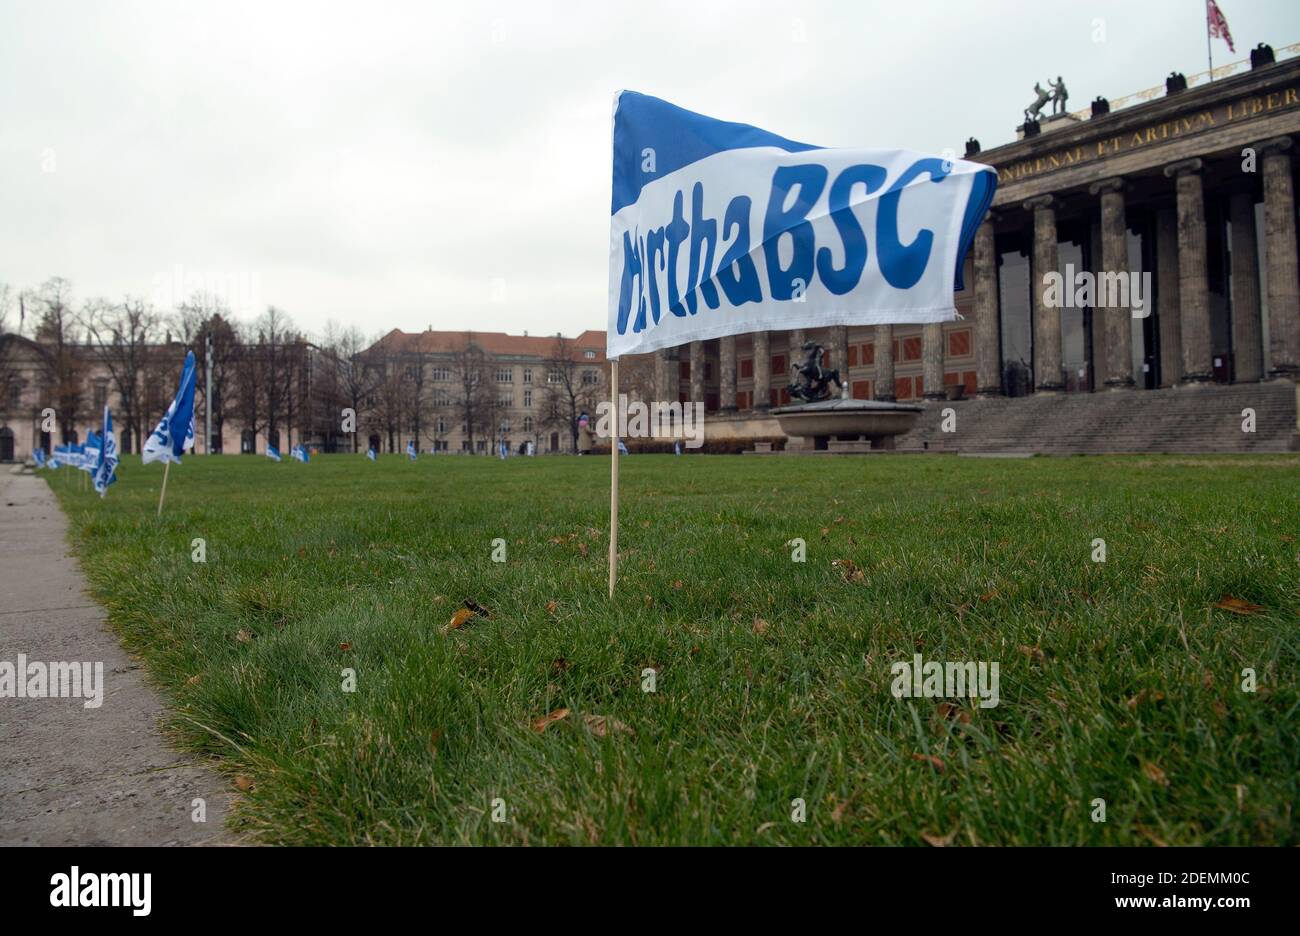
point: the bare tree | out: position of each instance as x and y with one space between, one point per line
470 391
121 338
250 381
63 378
571 388
201 318
352 378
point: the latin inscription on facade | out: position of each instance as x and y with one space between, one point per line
1183 125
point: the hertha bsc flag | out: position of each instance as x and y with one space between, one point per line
722 228
174 433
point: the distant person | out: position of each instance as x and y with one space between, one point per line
586 440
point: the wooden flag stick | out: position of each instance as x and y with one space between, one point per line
167 466
613 479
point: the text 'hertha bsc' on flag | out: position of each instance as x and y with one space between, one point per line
722 228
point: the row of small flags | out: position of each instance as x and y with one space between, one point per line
171 438
97 456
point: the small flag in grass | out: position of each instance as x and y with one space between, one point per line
272 453
106 465
371 453
299 452
175 432
38 456
410 450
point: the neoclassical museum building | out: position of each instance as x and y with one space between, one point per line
1192 183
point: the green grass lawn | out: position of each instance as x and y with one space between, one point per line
1119 680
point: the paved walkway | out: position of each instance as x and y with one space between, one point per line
71 775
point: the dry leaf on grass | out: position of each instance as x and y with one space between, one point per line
345 647
1146 695
243 636
602 725
1154 773
935 762
939 841
458 620
950 710
760 626
1034 653
244 784
542 723
1238 605
551 606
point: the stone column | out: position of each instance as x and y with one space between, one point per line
839 350
932 361
1193 287
727 375
988 364
884 363
697 372
1047 321
1117 316
762 370
1280 252
666 382
1168 323
1247 351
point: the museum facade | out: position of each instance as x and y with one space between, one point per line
1186 195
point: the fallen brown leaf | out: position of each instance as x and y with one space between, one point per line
760 626
458 620
935 762
602 725
1146 695
542 723
243 636
551 606
345 647
950 710
939 841
1154 773
1034 653
244 784
1238 605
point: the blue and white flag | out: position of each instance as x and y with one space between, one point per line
106 465
410 450
90 452
721 228
299 452
272 453
371 454
38 456
175 432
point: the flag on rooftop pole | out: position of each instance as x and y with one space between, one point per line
106 466
722 228
1216 27
410 450
174 433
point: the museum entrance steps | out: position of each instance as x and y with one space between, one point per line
1206 418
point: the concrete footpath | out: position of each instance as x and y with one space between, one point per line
71 775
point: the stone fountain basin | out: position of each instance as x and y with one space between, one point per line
845 420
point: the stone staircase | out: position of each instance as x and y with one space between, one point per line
1205 418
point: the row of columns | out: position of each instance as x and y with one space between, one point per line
1185 343
1186 348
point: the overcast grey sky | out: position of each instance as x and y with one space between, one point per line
406 165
